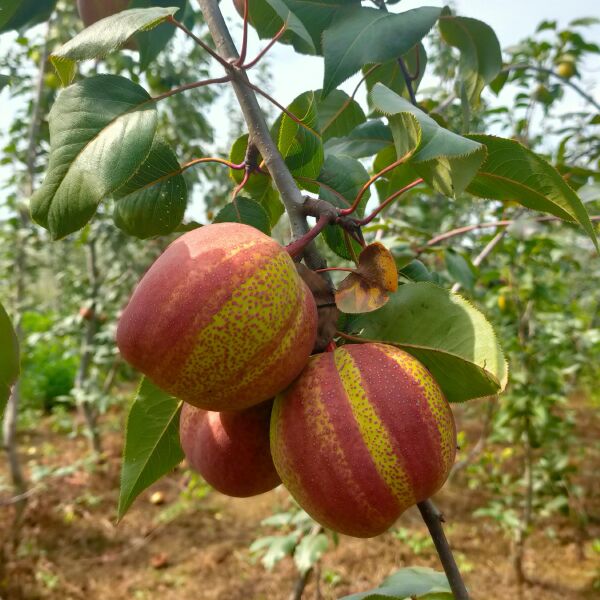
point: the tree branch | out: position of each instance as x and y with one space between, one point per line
433 519
258 130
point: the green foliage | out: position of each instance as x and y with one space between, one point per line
16 14
299 142
49 362
151 442
512 172
480 54
365 36
447 161
446 333
245 210
153 200
420 583
9 358
299 537
105 36
151 40
101 131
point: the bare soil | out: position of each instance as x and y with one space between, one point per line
70 547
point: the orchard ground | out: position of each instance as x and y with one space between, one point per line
71 548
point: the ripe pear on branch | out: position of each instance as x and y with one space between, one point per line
221 320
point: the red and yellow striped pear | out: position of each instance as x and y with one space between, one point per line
221 320
230 449
364 433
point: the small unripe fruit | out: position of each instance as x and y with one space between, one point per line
230 449
566 69
221 320
363 434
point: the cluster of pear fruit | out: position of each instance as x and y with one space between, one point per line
223 321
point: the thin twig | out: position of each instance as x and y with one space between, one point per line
365 187
503 223
200 43
297 246
244 48
282 108
189 86
259 56
407 80
433 519
196 161
389 200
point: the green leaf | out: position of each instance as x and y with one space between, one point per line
338 114
390 74
446 333
460 270
9 358
268 16
4 81
104 36
411 582
309 551
480 53
366 36
16 14
259 186
150 43
365 140
446 160
299 143
153 201
513 172
151 442
277 548
244 210
101 130
317 15
346 176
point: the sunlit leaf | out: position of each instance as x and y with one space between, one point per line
367 288
446 333
418 583
152 446
104 36
446 160
101 130
299 142
309 551
513 172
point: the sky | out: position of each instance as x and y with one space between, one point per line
291 74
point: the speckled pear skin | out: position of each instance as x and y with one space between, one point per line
230 449
363 434
221 319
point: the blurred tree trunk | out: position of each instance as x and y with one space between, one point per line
86 406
